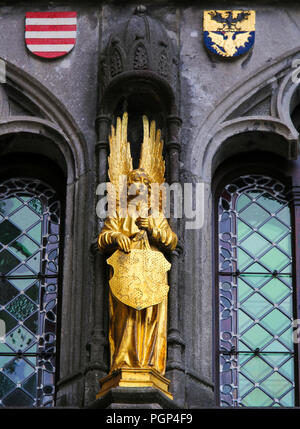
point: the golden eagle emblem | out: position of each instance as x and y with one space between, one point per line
229 33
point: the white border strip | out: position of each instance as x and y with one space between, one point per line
50 48
51 21
50 34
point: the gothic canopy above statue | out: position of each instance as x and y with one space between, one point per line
142 48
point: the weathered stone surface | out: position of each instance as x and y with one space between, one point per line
135 397
226 107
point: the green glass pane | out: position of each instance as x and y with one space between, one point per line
7 261
32 323
244 321
254 215
270 203
36 232
276 322
18 398
23 247
31 385
8 232
244 385
256 268
254 193
243 290
286 280
257 398
288 369
20 339
256 280
243 259
6 385
274 359
287 305
243 347
9 205
24 218
275 260
33 359
7 292
255 244
276 385
5 359
287 339
273 229
242 229
275 346
22 284
35 263
275 290
256 369
288 400
285 215
243 357
34 292
287 269
18 369
36 205
285 245
10 322
256 337
242 201
4 349
21 307
256 305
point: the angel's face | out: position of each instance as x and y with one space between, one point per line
139 182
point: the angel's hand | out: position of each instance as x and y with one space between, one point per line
144 223
123 242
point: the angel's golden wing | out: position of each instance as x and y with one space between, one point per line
119 160
151 159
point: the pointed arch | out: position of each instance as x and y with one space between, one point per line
50 131
53 111
236 113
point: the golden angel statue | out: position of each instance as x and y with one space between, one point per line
138 274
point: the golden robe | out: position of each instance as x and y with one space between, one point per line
137 338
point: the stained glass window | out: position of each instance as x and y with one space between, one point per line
29 244
256 351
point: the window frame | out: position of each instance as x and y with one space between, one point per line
288 173
37 167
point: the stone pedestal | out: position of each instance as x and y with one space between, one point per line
134 398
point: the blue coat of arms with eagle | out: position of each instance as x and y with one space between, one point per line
229 33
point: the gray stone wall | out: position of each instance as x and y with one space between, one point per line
220 102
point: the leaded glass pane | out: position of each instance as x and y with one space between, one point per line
29 244
255 294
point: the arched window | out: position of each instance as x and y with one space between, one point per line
255 294
29 246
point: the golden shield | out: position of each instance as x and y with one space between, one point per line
139 278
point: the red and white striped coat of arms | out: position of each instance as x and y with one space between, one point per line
50 34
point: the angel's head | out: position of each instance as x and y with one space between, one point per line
140 180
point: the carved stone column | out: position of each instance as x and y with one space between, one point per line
97 344
175 366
